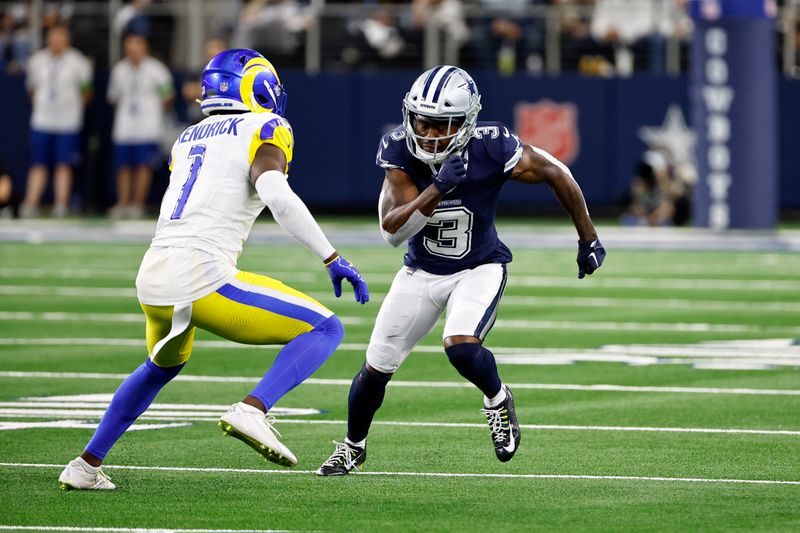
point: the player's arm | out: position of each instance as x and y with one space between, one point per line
404 210
537 166
266 175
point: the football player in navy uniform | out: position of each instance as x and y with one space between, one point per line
443 174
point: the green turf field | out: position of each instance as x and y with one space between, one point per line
663 393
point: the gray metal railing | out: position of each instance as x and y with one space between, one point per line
196 20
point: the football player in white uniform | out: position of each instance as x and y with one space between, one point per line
443 171
224 171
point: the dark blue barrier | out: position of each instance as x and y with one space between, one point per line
338 119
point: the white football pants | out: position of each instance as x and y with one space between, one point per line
417 298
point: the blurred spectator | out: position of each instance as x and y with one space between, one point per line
275 28
59 82
447 16
510 37
578 50
15 46
132 18
140 88
660 193
5 193
190 89
637 30
376 40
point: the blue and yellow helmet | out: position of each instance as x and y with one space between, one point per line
241 80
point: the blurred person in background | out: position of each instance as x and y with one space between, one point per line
133 18
59 83
15 45
276 27
378 41
190 89
635 32
140 88
6 189
509 38
447 16
660 193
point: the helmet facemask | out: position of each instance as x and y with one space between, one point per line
442 94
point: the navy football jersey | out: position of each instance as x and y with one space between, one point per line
461 233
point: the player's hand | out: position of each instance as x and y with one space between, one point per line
450 175
340 268
590 257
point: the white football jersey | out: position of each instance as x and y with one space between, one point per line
209 207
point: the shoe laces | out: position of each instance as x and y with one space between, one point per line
344 455
269 420
498 422
103 475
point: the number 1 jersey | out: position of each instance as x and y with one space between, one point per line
209 207
461 233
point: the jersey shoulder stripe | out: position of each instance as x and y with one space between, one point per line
274 130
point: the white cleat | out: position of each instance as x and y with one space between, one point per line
254 428
79 475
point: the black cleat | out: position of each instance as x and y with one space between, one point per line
343 460
505 429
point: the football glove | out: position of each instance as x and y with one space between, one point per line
450 175
340 268
590 257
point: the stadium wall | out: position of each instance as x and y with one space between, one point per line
593 124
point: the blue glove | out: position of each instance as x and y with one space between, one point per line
340 268
590 257
451 174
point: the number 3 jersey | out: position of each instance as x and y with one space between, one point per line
461 233
209 207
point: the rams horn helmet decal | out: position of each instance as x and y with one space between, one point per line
242 80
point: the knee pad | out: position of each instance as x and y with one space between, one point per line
332 327
464 353
384 358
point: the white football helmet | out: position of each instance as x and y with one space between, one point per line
442 93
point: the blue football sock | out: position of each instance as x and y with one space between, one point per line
477 364
132 398
366 397
300 358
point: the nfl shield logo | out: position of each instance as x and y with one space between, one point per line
550 126
223 86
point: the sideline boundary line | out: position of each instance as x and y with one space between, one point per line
426 474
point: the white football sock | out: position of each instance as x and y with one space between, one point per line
86 466
246 407
491 403
360 444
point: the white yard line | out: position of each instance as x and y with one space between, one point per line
73 412
8 527
692 327
561 281
423 384
424 474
